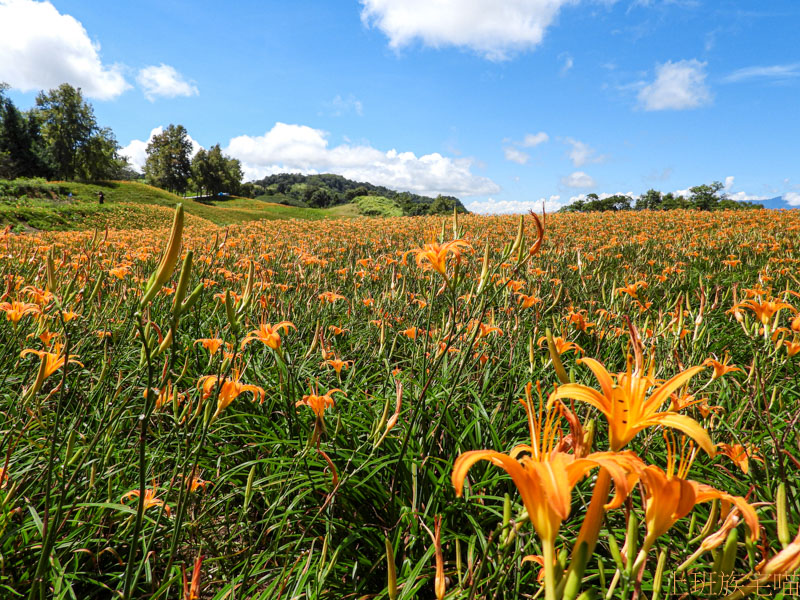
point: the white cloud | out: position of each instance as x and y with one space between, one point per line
40 49
729 182
776 72
493 29
165 82
678 86
745 197
578 179
534 139
516 155
492 206
299 148
567 64
342 105
792 198
136 150
582 153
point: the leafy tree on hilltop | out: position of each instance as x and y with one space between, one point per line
168 163
22 152
77 147
213 172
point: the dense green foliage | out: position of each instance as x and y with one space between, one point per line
59 138
324 190
702 197
214 173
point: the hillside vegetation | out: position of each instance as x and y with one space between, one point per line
39 205
326 190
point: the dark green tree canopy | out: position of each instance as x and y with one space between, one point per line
168 163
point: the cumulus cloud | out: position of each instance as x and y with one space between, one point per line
534 139
496 30
582 153
516 155
578 179
136 150
290 148
165 82
493 206
342 105
729 182
745 197
678 85
792 198
40 49
773 72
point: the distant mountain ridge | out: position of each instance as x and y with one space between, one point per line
775 203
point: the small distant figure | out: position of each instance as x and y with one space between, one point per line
100 197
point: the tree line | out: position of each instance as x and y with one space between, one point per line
701 197
170 165
321 191
60 138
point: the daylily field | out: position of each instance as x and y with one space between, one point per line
562 406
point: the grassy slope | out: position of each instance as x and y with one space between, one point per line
129 204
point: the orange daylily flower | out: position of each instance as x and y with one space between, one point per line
229 390
669 496
50 363
625 402
545 475
150 499
318 402
210 344
764 310
739 454
720 368
330 297
561 344
268 334
434 256
338 364
16 310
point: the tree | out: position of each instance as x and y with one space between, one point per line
705 197
168 163
213 172
21 146
650 200
67 125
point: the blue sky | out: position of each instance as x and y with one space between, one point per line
502 103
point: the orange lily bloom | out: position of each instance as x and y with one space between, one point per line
561 344
434 256
338 364
628 408
229 390
669 496
545 475
268 334
16 310
318 402
210 344
765 310
50 363
739 454
720 368
150 499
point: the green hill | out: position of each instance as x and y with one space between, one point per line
327 190
33 204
